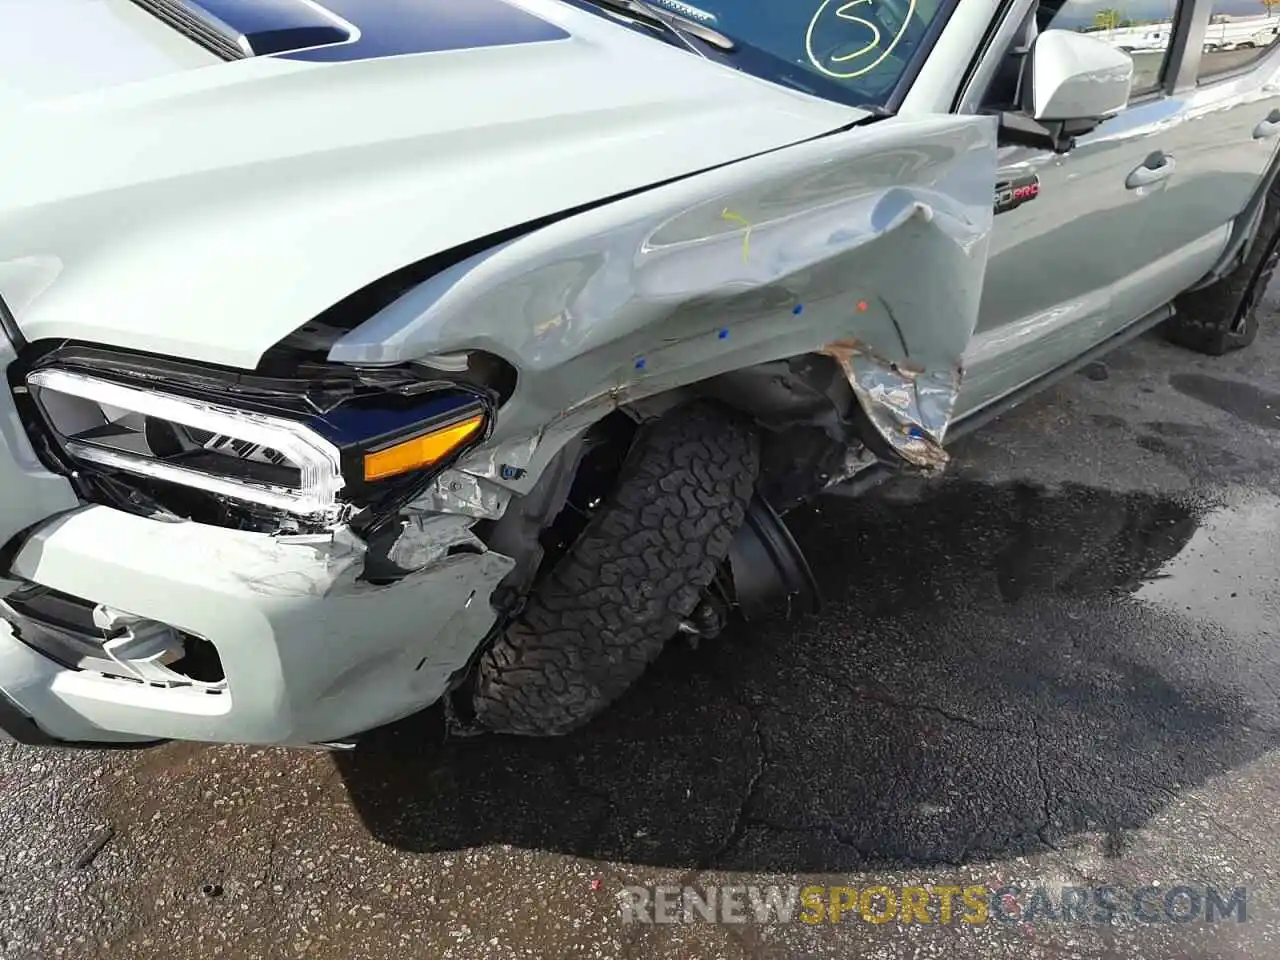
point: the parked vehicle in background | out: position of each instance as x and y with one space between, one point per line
1241 33
1265 37
366 355
1152 38
1235 33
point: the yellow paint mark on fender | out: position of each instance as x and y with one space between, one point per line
727 214
838 62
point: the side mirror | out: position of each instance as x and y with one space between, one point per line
1073 76
1071 82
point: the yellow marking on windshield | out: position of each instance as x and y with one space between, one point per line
727 214
842 12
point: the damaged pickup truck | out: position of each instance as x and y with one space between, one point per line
364 354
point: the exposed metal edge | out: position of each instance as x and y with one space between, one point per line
877 473
200 26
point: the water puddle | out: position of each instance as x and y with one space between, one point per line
1226 573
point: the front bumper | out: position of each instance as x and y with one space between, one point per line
307 652
310 653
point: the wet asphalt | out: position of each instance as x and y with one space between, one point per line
1057 666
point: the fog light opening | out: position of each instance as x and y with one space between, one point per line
199 662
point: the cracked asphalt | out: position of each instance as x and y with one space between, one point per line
1056 666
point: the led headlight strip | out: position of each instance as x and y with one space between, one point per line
318 460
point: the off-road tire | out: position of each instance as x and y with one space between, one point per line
1223 316
608 606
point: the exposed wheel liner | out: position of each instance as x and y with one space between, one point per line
609 606
1223 316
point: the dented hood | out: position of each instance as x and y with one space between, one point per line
158 197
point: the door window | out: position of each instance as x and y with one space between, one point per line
1235 39
1145 32
1147 40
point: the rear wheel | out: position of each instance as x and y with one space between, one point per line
1223 316
635 573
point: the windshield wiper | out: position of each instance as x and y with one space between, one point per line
682 27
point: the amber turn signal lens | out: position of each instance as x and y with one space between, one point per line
420 451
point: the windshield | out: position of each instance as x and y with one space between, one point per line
855 51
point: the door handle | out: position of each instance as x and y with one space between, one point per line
1157 167
1268 127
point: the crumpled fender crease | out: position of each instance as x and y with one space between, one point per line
868 245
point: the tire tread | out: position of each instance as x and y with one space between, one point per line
608 607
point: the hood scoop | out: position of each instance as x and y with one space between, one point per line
235 29
335 30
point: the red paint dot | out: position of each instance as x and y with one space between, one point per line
597 883
862 306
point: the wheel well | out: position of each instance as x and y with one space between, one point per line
812 434
536 527
810 423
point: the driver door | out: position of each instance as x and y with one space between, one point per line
1070 233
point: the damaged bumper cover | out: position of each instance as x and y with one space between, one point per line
307 652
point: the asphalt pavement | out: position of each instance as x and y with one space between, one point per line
1056 667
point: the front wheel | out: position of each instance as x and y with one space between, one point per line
637 570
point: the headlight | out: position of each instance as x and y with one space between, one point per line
248 456
314 464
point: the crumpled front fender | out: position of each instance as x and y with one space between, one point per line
869 245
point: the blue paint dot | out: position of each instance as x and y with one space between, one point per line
640 364
798 309
915 432
724 334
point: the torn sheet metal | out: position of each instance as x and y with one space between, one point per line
459 492
909 408
869 245
426 539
